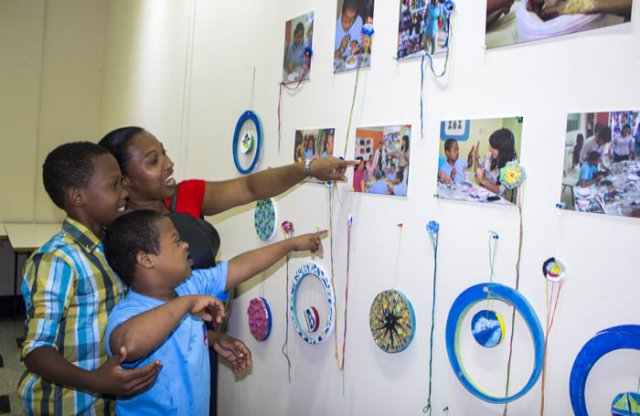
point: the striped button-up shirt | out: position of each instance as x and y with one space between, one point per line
69 291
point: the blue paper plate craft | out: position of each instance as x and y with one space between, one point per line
392 321
459 309
259 314
324 329
488 328
247 142
604 342
626 404
265 219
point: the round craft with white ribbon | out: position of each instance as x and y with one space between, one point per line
318 331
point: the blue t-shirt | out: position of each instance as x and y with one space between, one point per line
460 166
183 383
295 54
354 34
587 171
378 188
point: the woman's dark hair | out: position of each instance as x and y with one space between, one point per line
405 139
579 139
503 141
117 141
299 28
129 235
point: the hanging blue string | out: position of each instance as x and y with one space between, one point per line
421 97
433 229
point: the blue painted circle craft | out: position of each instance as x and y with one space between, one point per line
488 329
459 309
264 219
392 321
626 404
318 336
247 142
604 342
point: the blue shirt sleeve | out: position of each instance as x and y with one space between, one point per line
585 172
211 281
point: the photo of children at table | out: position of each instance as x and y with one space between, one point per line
298 37
606 179
351 46
385 155
488 145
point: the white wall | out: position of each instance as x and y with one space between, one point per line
184 70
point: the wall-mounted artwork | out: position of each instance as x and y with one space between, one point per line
472 152
352 49
384 153
510 21
601 170
298 37
313 143
422 26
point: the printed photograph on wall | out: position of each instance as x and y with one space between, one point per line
352 49
601 169
422 27
384 153
312 144
472 152
515 21
298 36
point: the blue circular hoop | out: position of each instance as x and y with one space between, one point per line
459 309
253 117
312 269
604 342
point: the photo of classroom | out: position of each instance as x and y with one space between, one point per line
352 48
383 153
601 169
312 144
298 36
471 154
509 22
422 27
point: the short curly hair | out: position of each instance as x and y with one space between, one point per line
70 164
129 235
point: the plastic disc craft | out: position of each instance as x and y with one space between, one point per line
459 309
604 342
553 269
323 331
265 219
626 404
246 142
259 318
488 328
392 321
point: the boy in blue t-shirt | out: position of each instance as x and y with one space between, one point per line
160 318
589 171
452 170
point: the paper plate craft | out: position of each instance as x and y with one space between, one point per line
626 404
488 329
323 330
604 342
512 175
553 269
259 318
392 321
459 309
249 142
264 219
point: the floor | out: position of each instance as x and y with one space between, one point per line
11 331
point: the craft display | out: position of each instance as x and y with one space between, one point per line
487 328
553 270
433 230
459 309
259 318
604 342
392 321
312 269
512 175
248 143
264 218
626 404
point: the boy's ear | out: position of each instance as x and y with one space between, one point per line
75 195
126 183
144 260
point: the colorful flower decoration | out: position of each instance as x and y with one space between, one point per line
259 318
287 228
367 29
433 227
512 175
392 321
553 269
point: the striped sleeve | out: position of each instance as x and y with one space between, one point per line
47 289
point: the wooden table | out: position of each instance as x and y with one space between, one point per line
24 239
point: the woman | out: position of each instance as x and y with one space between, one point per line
147 175
501 150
